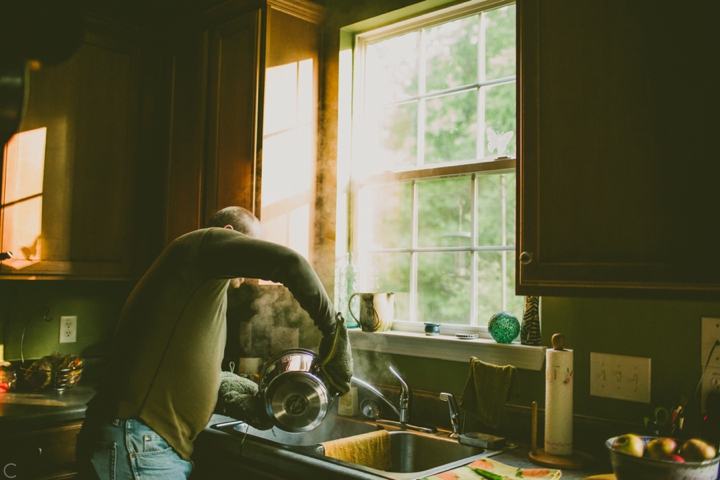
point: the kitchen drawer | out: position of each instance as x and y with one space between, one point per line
47 453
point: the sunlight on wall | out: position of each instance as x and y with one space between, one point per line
22 197
288 168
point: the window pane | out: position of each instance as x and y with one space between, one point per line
490 210
499 42
500 120
451 53
397 137
384 217
392 69
451 128
388 272
444 287
490 285
444 212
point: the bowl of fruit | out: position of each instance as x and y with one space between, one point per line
637 457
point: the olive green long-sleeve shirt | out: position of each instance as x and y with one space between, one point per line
165 364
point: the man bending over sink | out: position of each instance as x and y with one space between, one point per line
161 385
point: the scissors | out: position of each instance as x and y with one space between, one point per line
660 419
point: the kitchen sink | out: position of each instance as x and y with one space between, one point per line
416 455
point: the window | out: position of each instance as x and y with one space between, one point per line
432 196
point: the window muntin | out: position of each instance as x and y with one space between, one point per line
433 214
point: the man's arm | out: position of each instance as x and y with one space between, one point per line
229 254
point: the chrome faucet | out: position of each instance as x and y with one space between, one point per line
371 409
454 413
405 394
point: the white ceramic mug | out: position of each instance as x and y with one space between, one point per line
377 311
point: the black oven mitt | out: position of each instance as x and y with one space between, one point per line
336 364
238 398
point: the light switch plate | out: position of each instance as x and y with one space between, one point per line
620 376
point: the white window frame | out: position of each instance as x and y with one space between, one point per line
407 336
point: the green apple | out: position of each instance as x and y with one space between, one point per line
630 444
660 448
697 450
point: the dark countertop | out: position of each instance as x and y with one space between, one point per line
26 410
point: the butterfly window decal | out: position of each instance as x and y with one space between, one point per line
498 141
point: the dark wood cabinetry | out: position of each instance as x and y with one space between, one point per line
41 454
618 167
69 191
217 66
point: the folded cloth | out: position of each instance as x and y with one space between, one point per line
368 449
238 398
336 364
490 468
486 391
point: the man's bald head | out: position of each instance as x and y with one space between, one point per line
240 219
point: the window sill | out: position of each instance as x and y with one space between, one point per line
446 347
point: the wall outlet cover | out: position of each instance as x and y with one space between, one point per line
620 376
68 329
710 335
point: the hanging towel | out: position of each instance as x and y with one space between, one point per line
368 449
486 391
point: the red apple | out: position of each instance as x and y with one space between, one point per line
660 448
697 450
630 444
677 458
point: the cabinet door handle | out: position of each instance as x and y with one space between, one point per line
525 258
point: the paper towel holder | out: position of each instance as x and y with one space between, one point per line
576 461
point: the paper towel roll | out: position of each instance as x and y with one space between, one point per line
559 402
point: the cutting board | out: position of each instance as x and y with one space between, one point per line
607 476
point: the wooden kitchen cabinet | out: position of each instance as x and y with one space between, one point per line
69 176
243 83
618 166
41 454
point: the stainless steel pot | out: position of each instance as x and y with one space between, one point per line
294 393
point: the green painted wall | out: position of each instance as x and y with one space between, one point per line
96 304
668 332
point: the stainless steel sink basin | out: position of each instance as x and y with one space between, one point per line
416 455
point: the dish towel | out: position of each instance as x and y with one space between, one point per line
486 391
487 468
368 449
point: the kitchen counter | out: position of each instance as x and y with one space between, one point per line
25 410
283 460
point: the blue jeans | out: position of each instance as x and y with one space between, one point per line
127 449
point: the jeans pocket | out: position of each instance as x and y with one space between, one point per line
103 459
161 465
152 442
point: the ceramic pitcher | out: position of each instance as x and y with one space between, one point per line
377 311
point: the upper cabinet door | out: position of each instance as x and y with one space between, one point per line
618 163
67 188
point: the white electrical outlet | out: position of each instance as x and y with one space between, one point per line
68 329
710 335
620 376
